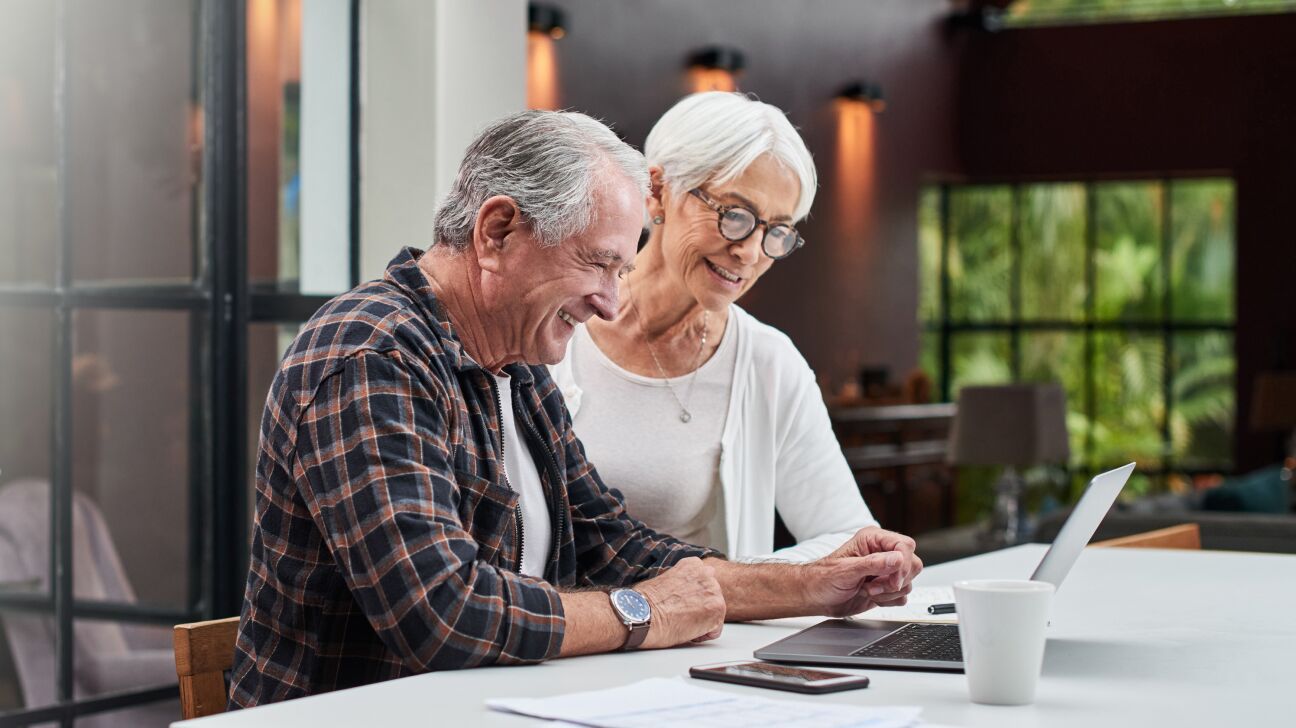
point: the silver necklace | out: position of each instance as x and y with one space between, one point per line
684 414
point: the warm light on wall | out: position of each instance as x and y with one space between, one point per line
863 92
715 68
545 24
542 72
710 79
855 162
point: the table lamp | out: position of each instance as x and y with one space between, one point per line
1016 426
1273 407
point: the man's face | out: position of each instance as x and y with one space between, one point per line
546 292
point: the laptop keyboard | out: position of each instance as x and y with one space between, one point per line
939 642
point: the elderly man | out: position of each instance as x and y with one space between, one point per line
422 501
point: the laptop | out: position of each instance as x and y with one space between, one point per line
927 646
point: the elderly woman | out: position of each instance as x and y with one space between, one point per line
706 419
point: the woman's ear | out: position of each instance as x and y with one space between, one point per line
498 220
656 195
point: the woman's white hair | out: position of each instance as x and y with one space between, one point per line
715 136
549 162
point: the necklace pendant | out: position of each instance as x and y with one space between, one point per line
685 416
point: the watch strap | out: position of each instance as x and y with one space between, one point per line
638 633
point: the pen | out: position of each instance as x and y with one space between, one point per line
941 608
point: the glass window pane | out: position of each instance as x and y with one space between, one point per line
135 146
980 259
1201 257
979 358
131 414
26 391
1060 357
929 251
1203 411
26 358
1129 404
30 639
1128 277
112 657
1052 242
29 232
160 713
298 164
929 360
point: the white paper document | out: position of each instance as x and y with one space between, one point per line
663 701
916 610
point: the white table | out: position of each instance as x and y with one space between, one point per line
1139 637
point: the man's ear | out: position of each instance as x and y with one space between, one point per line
499 220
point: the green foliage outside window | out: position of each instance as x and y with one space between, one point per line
1039 12
1120 291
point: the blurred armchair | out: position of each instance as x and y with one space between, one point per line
107 656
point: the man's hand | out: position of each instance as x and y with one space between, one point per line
890 589
874 568
687 605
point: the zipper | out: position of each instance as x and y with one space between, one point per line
517 508
558 482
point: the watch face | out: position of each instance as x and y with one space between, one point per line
632 605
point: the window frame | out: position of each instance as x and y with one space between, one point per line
1166 325
221 306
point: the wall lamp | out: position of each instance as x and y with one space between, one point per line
715 68
978 15
863 92
547 20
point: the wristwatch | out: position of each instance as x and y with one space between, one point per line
633 609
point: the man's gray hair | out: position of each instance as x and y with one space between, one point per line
549 162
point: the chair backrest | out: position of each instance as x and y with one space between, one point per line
1185 536
203 652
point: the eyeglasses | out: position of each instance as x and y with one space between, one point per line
736 223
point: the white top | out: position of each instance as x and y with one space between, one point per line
1136 639
637 454
524 479
777 450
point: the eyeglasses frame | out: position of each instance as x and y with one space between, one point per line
720 211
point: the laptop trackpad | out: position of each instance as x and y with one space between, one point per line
835 637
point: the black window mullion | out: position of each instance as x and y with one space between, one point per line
1015 282
225 239
945 331
61 404
1167 325
354 140
1091 306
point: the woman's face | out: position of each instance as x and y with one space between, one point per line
715 270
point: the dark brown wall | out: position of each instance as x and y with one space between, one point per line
849 297
1167 97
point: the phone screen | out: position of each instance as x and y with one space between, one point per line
782 673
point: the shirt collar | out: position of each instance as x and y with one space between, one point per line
403 272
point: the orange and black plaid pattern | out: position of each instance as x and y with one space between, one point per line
386 541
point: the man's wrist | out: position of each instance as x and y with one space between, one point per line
634 611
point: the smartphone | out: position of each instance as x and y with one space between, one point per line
779 677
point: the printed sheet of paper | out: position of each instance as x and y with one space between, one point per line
916 610
663 701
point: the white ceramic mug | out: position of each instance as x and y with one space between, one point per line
1001 627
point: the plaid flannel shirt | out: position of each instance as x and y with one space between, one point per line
386 541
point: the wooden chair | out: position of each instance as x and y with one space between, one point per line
1185 536
203 652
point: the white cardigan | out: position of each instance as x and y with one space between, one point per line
777 449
